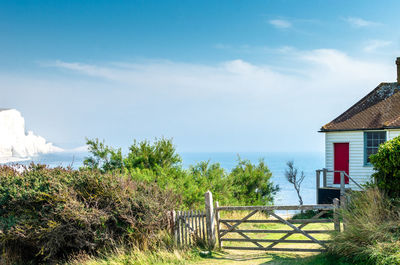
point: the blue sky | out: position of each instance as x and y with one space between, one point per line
214 75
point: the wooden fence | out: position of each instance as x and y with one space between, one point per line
191 227
231 226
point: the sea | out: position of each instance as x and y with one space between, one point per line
307 162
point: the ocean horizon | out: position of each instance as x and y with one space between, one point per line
307 162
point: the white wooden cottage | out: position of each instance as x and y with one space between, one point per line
356 134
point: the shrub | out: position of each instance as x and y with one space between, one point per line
47 214
386 162
372 229
251 184
158 162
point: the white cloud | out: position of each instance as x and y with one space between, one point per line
235 105
373 45
360 23
280 23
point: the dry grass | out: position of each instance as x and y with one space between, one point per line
137 257
372 229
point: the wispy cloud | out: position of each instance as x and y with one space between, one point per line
237 99
373 45
360 23
280 23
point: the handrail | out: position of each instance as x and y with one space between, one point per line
344 172
342 183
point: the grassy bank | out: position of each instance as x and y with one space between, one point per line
195 256
138 257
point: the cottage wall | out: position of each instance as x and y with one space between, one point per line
357 170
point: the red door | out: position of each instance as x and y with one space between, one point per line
341 161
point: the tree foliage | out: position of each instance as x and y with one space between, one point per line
158 162
103 158
251 184
386 162
145 155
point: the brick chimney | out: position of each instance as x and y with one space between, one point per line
398 70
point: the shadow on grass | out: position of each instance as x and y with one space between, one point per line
320 259
276 259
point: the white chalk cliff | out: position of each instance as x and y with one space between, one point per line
15 143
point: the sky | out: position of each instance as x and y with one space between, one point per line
216 76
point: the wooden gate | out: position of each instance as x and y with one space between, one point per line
227 228
189 227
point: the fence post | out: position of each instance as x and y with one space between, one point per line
324 181
210 219
336 214
342 190
174 226
218 224
318 174
178 228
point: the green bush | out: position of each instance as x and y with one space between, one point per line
47 214
386 162
251 184
158 162
372 231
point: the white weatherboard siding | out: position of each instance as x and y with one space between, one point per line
392 133
357 170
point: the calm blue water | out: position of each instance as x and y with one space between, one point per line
307 162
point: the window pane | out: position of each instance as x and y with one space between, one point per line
372 142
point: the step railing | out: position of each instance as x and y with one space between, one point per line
342 173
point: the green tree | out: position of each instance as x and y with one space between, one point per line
103 157
386 162
251 184
158 162
142 155
212 177
146 155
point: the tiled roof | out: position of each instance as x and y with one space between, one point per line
379 109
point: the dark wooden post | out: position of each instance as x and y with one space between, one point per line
318 174
210 219
178 228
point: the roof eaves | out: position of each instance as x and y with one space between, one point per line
358 129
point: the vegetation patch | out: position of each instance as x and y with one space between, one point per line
48 214
157 162
372 229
